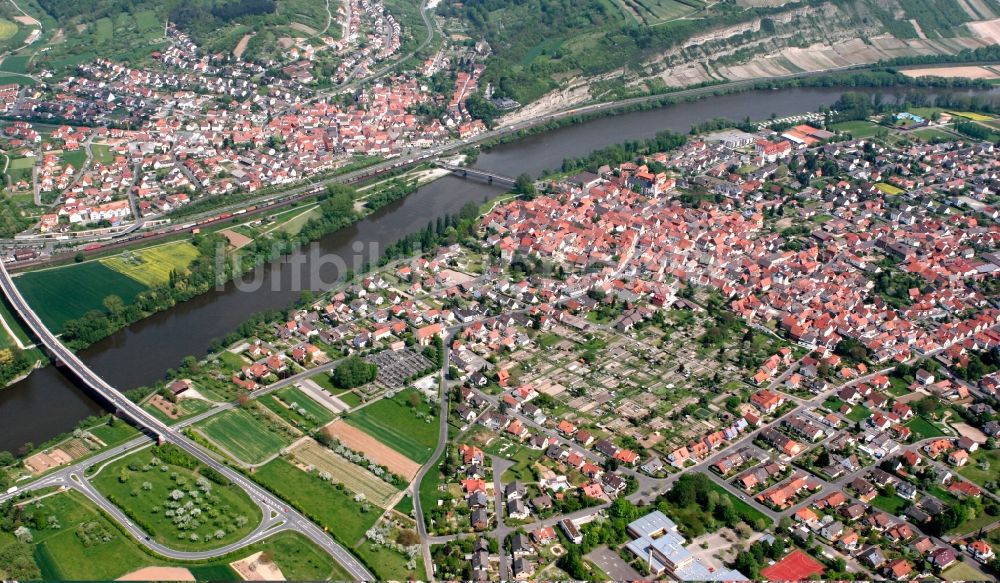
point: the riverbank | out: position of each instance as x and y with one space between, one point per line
139 354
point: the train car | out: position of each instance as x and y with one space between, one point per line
92 247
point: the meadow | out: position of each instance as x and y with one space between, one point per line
393 423
65 293
152 266
7 29
322 501
243 436
62 554
139 486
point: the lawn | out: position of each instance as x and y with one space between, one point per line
152 266
859 413
892 504
22 163
148 484
102 154
974 473
239 433
65 293
76 158
961 571
393 423
297 408
350 398
922 429
333 509
388 564
114 434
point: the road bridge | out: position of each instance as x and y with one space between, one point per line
273 509
476 174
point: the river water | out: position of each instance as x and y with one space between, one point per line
48 402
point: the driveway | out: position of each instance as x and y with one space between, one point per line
613 565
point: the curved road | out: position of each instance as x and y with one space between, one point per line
271 507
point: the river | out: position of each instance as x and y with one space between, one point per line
48 402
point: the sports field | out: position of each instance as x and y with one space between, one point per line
152 266
394 423
239 433
857 128
352 476
65 293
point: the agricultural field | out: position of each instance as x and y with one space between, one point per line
139 486
970 115
297 408
242 435
152 266
888 188
653 11
65 293
355 478
392 422
15 64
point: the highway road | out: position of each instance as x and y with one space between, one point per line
272 508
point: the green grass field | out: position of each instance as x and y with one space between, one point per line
105 30
892 504
152 266
7 29
147 21
21 163
973 472
333 509
62 555
961 571
76 158
65 293
145 493
858 129
392 422
239 433
102 154
293 400
922 429
931 134
15 64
